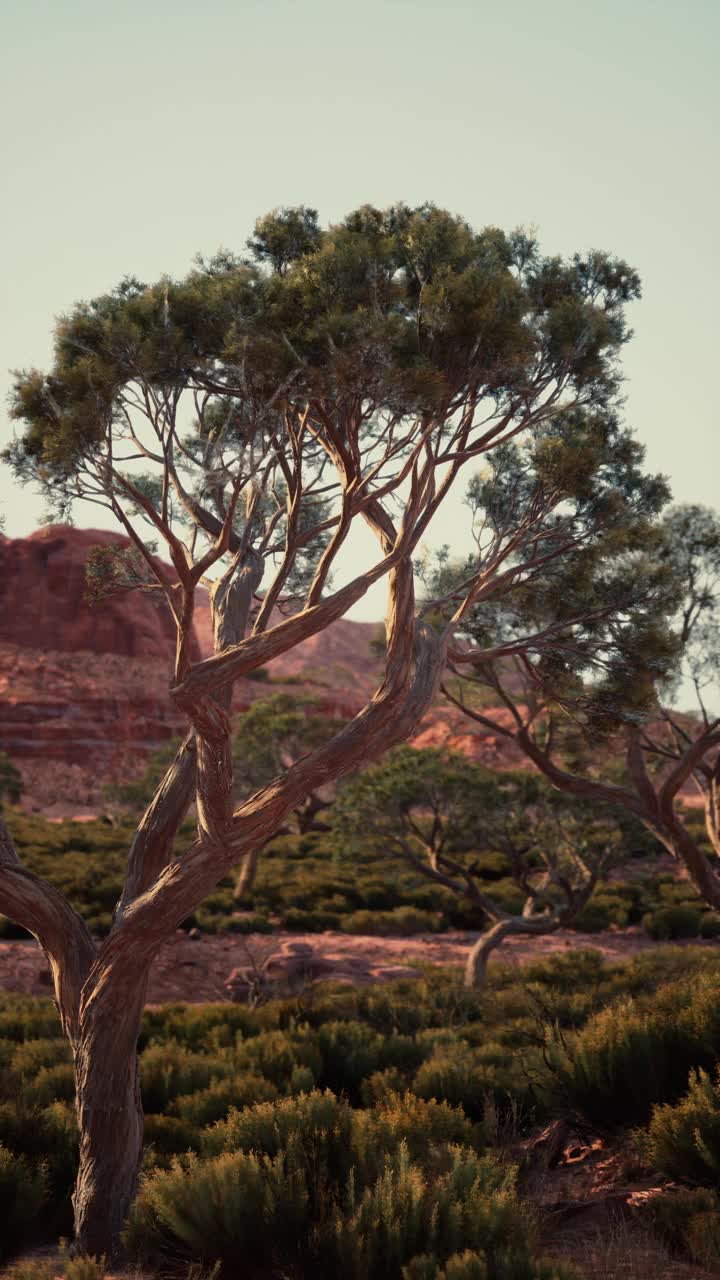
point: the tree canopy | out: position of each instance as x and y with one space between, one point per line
441 812
247 417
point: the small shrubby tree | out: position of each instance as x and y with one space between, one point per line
615 637
439 811
247 417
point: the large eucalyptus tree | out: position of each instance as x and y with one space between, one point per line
247 417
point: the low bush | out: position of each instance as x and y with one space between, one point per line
313 1133
401 920
23 1193
242 1209
710 925
677 921
277 1055
169 1070
205 1106
470 1202
683 1139
602 911
688 1222
351 1051
419 1124
632 1056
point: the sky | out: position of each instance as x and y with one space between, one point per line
135 135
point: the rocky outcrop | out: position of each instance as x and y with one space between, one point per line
43 606
84 690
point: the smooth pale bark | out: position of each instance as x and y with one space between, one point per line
479 954
246 876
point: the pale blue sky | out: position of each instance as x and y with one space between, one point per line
137 134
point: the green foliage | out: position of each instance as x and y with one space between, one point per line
11 785
405 921
687 1222
710 925
242 1209
204 1106
84 1267
467 1078
683 1139
23 1192
307 883
419 1070
678 921
633 1055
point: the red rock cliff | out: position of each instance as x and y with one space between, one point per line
42 605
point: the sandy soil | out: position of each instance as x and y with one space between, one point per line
196 969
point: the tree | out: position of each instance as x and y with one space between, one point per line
588 698
248 416
268 738
438 811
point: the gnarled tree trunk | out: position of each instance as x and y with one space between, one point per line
110 1117
479 954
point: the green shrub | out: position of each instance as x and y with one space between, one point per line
375 1088
630 1057
710 925
48 1135
170 1135
276 1055
243 924
31 1269
51 1084
30 1057
23 1193
687 1222
683 1139
407 1120
351 1051
677 921
401 920
312 1132
211 1104
168 1071
242 1209
470 1203
84 1267
600 912
459 1076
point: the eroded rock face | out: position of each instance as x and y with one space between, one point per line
85 690
42 605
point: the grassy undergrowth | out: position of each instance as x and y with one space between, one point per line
304 884
375 1132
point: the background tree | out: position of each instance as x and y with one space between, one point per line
439 811
268 738
588 698
246 418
